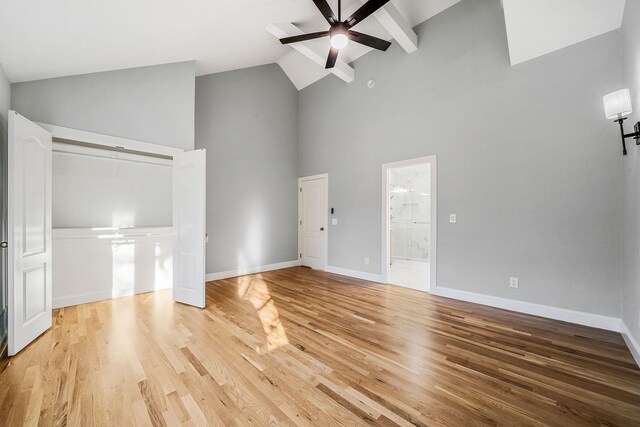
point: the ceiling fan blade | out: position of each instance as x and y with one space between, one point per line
303 37
333 57
368 40
367 9
326 11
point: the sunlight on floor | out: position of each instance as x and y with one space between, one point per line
255 290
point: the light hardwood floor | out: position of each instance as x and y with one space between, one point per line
299 347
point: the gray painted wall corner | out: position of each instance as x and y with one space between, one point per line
248 122
630 39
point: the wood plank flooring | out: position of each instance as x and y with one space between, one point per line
300 347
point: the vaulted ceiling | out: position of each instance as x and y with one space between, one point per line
538 27
67 37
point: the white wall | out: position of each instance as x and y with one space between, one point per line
525 158
96 191
93 265
152 104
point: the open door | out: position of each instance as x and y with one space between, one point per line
189 175
29 243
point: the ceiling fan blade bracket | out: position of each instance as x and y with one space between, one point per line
326 11
365 10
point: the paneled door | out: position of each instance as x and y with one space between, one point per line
29 243
189 205
313 213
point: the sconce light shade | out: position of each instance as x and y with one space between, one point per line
617 104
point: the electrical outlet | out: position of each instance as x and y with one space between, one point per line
514 282
453 218
366 260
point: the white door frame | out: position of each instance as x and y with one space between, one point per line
432 161
324 176
109 141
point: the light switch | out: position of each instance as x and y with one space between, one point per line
452 218
334 221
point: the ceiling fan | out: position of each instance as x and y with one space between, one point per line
341 31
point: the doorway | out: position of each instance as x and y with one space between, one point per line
410 223
312 220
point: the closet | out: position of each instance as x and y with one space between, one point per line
94 217
112 222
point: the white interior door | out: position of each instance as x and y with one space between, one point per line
189 175
313 201
29 171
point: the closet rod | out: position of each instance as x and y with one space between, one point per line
110 148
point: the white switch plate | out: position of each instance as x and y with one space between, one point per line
334 221
366 260
453 218
514 282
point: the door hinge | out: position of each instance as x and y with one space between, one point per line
300 222
301 189
300 255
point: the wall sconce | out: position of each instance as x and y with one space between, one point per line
617 105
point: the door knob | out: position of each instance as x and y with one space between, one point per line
321 228
4 245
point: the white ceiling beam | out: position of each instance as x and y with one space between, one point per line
397 26
301 70
341 69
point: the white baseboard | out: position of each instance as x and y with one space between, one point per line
251 270
633 345
573 316
70 300
354 273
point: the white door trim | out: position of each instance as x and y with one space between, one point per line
109 141
324 176
432 160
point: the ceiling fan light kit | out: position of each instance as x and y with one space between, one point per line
341 32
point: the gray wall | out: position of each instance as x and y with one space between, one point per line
525 158
631 174
247 120
153 104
